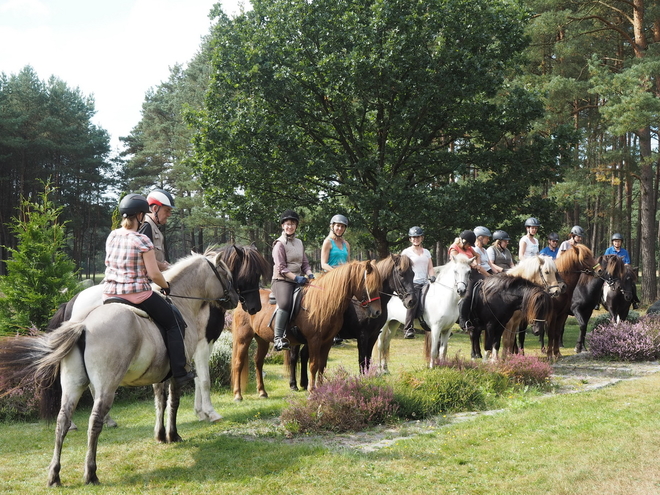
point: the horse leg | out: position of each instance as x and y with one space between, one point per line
239 363
174 398
102 404
384 344
203 406
444 343
582 320
259 357
294 358
521 338
304 361
74 382
159 402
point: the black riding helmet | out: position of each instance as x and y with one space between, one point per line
469 237
132 204
415 232
289 215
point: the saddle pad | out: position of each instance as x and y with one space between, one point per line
118 300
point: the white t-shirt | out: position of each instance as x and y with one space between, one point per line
420 264
532 248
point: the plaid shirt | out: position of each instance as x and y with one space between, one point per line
125 272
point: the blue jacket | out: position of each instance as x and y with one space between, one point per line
622 253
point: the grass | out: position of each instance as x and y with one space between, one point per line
602 441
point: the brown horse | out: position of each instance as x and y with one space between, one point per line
572 263
316 324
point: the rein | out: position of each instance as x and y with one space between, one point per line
220 299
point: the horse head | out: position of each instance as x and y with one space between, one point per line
461 271
550 278
628 283
229 298
370 286
399 278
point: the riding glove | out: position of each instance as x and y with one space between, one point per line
310 276
300 280
165 290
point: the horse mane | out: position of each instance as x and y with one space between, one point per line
497 283
614 266
572 257
247 261
632 272
528 266
325 295
537 304
387 264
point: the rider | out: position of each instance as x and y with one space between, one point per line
486 267
335 250
463 245
551 249
130 262
290 262
577 233
499 254
422 264
160 208
529 245
618 249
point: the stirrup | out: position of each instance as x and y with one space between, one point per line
281 344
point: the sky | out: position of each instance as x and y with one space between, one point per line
114 50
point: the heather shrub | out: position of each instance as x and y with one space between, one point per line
220 361
343 402
20 405
525 370
626 341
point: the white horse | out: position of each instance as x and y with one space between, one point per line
115 345
440 311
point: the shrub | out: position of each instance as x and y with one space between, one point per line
429 392
20 405
341 403
526 370
626 341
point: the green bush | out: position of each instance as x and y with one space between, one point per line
220 361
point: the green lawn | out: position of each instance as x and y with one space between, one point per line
605 441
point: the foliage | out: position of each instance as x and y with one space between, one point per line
20 405
47 134
220 361
605 319
627 341
341 403
385 111
425 393
526 370
40 275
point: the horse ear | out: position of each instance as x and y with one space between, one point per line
368 267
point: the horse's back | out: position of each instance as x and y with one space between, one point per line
86 301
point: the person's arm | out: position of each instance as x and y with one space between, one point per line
522 245
325 255
430 270
306 267
151 265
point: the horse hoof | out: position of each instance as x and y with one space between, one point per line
578 349
238 399
294 388
73 427
215 417
263 395
111 423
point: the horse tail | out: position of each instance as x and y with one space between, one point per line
427 346
36 360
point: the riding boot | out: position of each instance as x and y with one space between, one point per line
177 353
409 326
281 321
464 315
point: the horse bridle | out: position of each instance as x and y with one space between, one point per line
223 299
546 285
399 288
368 299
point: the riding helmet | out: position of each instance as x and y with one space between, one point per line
469 237
339 219
577 230
617 236
132 204
500 235
481 231
552 236
289 215
532 222
415 232
160 197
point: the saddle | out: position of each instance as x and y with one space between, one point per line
294 331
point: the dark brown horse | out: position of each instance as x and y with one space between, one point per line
571 264
397 275
318 322
619 295
589 290
495 300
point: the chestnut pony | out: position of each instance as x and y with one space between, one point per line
319 320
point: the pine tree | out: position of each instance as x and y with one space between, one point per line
39 274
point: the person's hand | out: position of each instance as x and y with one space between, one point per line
310 276
300 280
165 290
432 278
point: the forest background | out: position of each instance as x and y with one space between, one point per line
446 114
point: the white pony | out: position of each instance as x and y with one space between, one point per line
440 311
